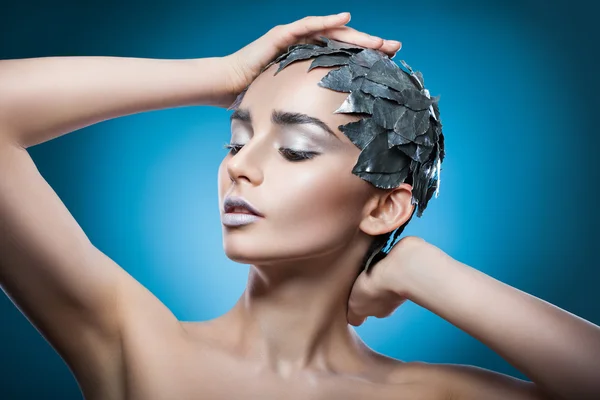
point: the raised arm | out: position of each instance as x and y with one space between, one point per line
558 351
77 297
42 98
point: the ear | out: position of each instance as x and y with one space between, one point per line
388 210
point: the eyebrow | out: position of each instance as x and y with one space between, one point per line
284 118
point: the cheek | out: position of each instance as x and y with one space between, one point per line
310 210
319 199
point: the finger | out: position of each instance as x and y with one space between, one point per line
309 25
351 35
391 47
354 319
357 321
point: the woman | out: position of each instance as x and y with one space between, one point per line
288 336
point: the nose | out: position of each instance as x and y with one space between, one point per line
245 164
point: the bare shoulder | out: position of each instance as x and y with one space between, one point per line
467 382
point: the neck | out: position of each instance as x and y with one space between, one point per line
292 317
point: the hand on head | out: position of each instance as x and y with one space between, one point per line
243 66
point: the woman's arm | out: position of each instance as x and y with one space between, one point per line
78 298
43 98
557 350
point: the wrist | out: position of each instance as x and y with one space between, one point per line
416 263
213 77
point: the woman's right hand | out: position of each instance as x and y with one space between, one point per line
243 66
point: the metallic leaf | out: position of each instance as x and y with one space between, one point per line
366 58
410 70
357 70
357 83
336 44
329 60
386 72
339 80
376 157
415 100
415 152
410 98
384 181
386 112
395 139
418 77
357 102
301 53
361 132
304 46
429 138
378 90
412 124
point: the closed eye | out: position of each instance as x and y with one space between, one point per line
233 148
288 154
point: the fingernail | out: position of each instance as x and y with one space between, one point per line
343 14
394 42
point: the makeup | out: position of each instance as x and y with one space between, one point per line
238 219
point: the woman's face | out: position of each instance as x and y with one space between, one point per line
299 176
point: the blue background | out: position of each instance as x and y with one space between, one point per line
518 191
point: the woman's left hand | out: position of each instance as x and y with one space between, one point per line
243 66
387 284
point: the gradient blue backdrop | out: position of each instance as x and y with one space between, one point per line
518 192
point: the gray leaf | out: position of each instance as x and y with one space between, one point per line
306 53
395 139
415 100
336 44
357 102
385 181
415 152
410 70
329 60
418 79
386 112
378 90
407 124
357 84
304 45
386 72
376 157
358 70
366 58
429 138
338 79
361 132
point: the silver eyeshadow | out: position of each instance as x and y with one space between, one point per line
298 138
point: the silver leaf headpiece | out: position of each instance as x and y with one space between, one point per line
401 133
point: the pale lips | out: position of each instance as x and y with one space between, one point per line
238 205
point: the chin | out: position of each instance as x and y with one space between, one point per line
243 251
252 253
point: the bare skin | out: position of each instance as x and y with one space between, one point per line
119 340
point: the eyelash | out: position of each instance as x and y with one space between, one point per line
289 154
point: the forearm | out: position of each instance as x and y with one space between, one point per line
43 98
557 350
